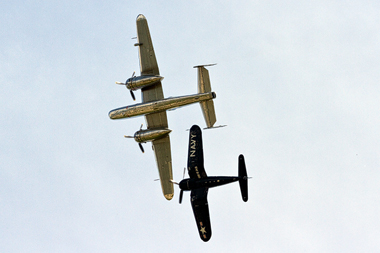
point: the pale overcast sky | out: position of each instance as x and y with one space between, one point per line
297 83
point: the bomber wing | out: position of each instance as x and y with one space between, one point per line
201 213
149 66
162 152
148 62
195 162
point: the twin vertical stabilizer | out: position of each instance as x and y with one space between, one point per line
204 86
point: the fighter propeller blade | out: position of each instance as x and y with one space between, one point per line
180 196
141 147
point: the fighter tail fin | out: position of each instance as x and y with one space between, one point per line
204 86
243 181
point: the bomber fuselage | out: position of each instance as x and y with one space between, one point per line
158 106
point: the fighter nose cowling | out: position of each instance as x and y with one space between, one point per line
187 184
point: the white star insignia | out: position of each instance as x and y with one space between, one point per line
203 230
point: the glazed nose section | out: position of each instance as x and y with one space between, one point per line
112 114
115 114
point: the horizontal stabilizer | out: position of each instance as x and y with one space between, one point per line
206 128
204 86
243 181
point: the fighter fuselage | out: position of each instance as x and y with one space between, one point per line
190 184
158 106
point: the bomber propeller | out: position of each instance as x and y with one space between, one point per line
132 137
141 147
130 91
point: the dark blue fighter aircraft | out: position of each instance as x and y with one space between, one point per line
199 183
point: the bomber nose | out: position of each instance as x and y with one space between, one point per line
113 114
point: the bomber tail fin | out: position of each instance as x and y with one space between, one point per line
204 86
243 181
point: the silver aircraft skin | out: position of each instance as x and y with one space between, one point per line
154 105
159 106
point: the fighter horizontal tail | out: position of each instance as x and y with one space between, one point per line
243 179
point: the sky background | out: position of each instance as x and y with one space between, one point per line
297 84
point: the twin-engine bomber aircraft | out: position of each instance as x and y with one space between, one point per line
154 105
199 183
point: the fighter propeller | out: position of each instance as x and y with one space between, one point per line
181 192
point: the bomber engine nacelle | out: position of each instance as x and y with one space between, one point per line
139 82
143 136
150 134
